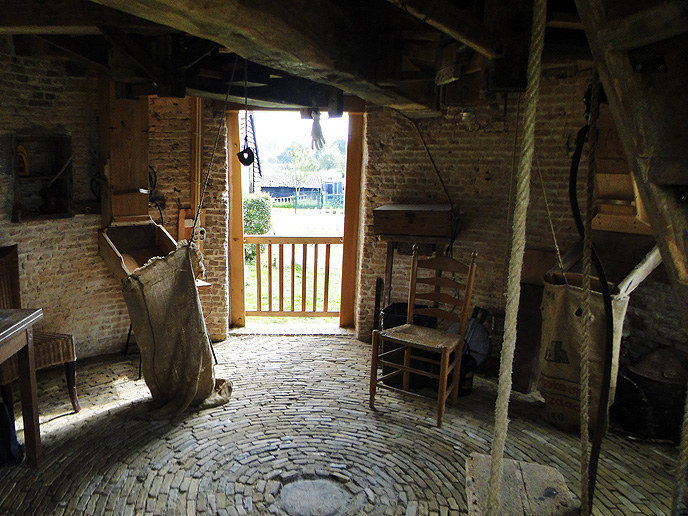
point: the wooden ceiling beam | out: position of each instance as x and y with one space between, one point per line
648 108
81 47
459 24
67 17
170 82
198 49
658 22
117 38
560 20
303 39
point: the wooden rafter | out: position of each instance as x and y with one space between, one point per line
303 39
459 24
68 17
648 104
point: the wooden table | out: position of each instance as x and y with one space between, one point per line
16 336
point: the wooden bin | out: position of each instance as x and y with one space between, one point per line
126 246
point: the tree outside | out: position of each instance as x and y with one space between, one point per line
332 156
299 163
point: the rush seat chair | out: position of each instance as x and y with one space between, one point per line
446 285
50 349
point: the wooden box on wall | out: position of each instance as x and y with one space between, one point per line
42 177
408 220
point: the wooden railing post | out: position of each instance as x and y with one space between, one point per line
320 282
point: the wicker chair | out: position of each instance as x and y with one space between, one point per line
50 349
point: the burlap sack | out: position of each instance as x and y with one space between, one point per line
562 329
167 320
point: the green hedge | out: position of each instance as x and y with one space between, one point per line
257 219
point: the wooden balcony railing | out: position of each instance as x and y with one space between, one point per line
308 289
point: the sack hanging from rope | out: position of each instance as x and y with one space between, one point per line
167 319
560 352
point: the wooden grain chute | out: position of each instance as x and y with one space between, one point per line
127 246
129 237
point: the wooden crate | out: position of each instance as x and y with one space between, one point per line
404 220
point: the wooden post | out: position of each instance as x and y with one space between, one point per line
352 199
237 309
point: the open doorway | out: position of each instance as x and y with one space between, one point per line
293 261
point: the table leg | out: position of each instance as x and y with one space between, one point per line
29 401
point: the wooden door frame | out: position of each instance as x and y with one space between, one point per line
237 307
352 202
352 219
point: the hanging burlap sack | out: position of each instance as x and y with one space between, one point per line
560 352
167 320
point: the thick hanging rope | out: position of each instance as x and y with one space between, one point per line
516 259
586 300
512 175
682 469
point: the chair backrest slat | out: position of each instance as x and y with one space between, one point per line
446 283
10 294
442 282
444 263
439 297
439 314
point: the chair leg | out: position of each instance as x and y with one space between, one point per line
456 377
7 399
406 383
373 367
442 394
70 373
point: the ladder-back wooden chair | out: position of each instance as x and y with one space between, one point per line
49 348
447 285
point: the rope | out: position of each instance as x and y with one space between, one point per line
586 302
449 251
516 259
560 262
212 155
682 469
511 188
245 103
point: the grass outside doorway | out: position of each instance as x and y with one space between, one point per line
250 292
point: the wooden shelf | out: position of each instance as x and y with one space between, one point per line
411 239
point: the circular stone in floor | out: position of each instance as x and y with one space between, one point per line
314 498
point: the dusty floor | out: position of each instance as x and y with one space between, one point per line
299 412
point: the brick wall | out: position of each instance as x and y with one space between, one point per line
476 156
60 270
216 204
170 141
169 154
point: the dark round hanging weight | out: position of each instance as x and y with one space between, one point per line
245 156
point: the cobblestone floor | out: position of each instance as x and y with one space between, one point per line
299 411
